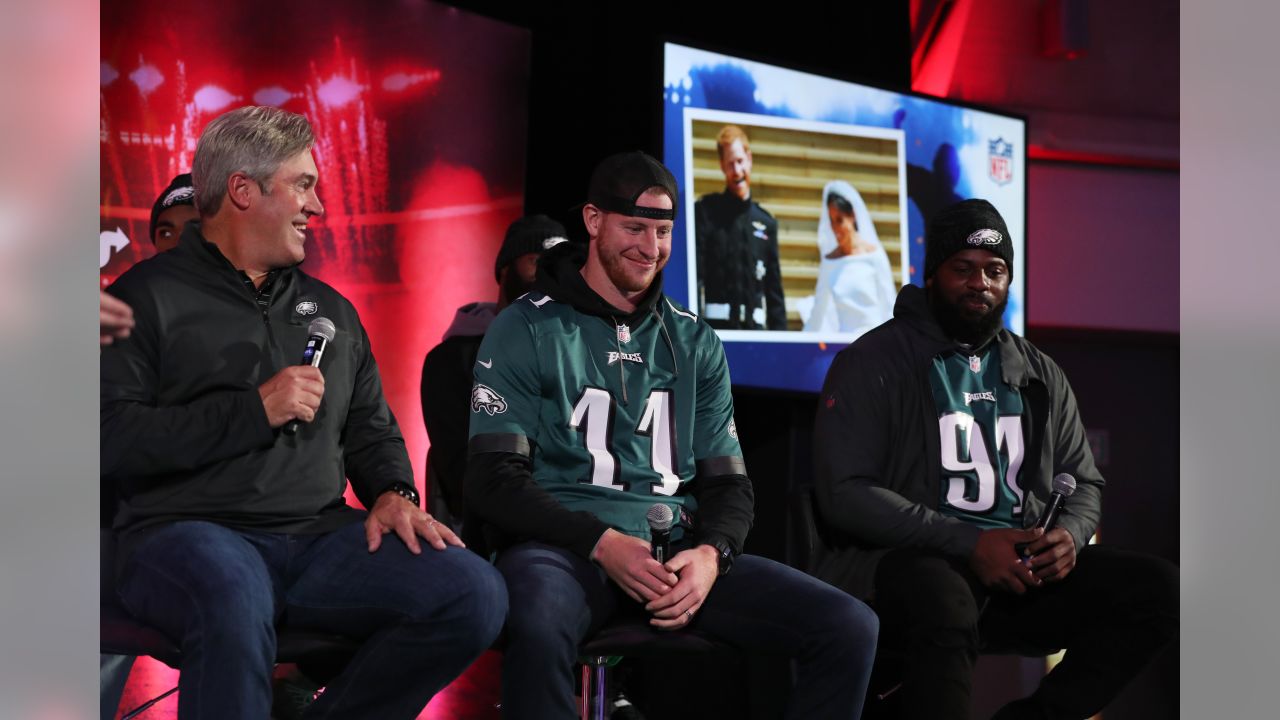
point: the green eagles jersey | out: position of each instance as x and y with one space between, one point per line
616 417
980 423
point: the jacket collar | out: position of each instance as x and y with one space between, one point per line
912 308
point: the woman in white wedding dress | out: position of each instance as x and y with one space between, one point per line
855 290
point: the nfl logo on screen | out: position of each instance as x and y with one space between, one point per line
1001 166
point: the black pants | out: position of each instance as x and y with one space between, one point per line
1112 613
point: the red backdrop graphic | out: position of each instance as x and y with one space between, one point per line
420 115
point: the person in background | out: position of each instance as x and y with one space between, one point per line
446 371
173 209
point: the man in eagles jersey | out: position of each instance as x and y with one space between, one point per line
597 397
938 436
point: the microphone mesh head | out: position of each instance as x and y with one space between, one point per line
660 517
1064 483
323 327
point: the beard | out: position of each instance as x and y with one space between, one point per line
626 278
966 327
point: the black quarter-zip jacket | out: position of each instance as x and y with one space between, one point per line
184 434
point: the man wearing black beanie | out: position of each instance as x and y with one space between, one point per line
938 438
174 208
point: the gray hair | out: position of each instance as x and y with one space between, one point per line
254 140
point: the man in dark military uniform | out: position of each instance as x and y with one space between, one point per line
739 283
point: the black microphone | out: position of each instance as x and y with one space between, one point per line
660 520
1063 486
321 332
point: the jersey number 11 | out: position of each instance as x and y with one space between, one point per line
593 417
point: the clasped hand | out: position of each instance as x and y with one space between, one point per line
673 593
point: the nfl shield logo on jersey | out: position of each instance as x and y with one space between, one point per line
1001 164
975 363
624 334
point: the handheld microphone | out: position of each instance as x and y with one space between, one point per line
1063 486
660 520
321 332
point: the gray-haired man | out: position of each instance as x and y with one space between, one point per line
228 523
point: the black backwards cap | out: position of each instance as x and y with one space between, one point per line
966 225
180 192
619 181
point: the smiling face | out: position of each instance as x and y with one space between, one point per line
627 252
735 163
279 213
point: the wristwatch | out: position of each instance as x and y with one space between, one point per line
724 556
406 491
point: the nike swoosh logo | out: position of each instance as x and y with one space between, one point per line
487 365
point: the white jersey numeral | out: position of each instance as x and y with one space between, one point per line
960 432
658 423
593 416
1009 435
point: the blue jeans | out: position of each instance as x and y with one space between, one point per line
558 599
220 592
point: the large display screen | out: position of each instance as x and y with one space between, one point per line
804 203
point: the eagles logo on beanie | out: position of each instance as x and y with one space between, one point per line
966 225
181 191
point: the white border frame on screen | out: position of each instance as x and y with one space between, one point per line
783 336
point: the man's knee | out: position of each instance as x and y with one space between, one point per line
1152 591
452 584
1160 577
1133 577
855 625
545 608
484 598
549 617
